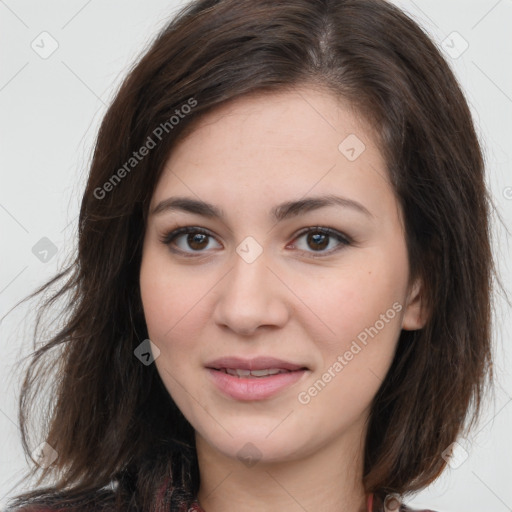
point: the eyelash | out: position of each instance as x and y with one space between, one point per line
343 240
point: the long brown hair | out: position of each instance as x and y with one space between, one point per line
117 432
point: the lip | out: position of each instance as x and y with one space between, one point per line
253 388
257 363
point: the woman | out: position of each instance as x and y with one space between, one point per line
281 297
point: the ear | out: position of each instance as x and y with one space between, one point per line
415 315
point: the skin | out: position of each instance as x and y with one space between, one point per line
246 157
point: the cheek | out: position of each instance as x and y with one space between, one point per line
169 298
354 297
170 304
361 308
364 315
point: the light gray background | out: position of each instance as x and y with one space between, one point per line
50 113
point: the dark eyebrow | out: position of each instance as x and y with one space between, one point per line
279 213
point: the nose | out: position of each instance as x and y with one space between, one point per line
251 297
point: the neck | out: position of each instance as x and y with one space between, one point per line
330 479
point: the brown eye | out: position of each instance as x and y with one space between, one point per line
197 241
188 240
318 239
193 241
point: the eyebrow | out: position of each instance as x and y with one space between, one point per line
280 212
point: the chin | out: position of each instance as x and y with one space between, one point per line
252 444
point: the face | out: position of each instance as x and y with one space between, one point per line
278 312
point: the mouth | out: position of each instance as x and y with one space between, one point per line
254 365
254 379
238 372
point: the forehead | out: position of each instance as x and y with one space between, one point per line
303 119
274 145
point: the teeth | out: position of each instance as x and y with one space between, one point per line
263 373
238 373
253 373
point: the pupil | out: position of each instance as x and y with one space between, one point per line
196 241
316 239
196 238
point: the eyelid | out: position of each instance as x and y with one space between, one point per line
168 237
343 240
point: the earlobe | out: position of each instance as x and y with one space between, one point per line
415 315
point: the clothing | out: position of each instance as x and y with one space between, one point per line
194 508
373 505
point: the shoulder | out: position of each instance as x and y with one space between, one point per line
98 501
36 508
90 507
56 508
405 508
47 508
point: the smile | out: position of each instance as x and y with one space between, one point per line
251 385
253 373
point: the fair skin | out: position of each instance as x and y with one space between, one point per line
247 157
